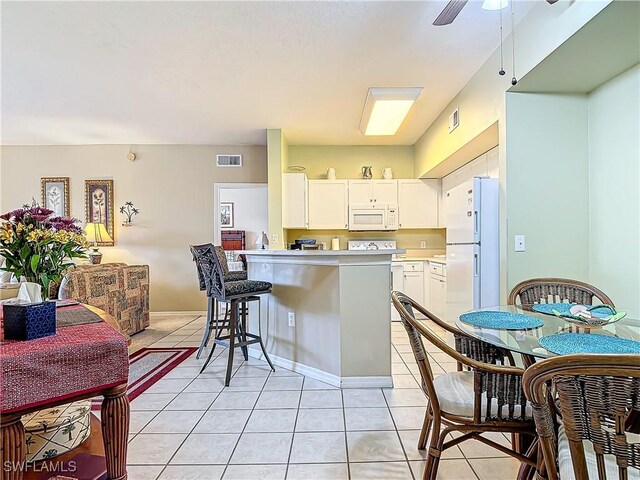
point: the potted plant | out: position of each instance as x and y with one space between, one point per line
39 247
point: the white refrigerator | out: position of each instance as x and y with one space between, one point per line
473 250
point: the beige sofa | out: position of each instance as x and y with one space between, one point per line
119 289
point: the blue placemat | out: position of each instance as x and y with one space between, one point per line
567 343
564 309
501 320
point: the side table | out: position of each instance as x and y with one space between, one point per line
80 361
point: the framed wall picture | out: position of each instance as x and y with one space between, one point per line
226 214
98 200
55 195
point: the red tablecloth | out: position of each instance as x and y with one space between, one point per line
78 359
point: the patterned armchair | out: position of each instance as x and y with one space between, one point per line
120 290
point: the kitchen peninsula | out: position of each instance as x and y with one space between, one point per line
328 315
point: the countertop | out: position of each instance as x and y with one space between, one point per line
442 260
321 253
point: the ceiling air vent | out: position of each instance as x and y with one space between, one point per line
229 160
454 120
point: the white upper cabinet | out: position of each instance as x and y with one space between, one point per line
294 200
373 191
493 163
328 204
418 203
447 184
360 191
486 165
385 191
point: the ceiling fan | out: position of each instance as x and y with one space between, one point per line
454 7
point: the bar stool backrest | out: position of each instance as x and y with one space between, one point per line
212 272
222 258
195 250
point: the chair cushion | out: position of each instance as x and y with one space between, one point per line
455 394
245 287
565 465
222 258
235 276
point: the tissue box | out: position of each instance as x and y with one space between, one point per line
31 321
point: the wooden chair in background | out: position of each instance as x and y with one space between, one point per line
598 399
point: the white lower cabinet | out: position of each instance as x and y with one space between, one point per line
437 293
397 284
424 281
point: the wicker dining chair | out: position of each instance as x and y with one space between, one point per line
598 399
555 290
488 398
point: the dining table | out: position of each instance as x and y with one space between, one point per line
526 343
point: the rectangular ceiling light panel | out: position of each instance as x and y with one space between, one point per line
386 108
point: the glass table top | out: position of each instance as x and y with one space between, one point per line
526 341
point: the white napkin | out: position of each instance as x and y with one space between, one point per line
30 292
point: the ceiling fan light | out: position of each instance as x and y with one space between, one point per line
495 4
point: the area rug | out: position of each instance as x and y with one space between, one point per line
147 366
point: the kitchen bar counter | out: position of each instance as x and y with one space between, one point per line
328 316
321 253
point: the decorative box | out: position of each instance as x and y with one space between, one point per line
52 432
29 321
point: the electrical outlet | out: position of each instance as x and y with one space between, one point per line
423 244
519 243
292 319
274 238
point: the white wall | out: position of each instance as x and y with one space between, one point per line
250 211
614 183
172 185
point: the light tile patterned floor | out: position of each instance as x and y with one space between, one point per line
284 425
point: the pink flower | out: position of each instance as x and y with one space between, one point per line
38 211
15 215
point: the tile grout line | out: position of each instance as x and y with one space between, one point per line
398 435
226 467
217 394
295 424
346 437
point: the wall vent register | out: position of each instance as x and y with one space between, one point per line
228 160
454 120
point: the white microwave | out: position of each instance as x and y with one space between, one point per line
367 217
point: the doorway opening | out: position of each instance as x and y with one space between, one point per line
241 215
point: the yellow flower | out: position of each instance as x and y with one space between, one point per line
33 236
6 234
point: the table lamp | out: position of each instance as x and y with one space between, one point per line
96 233
262 240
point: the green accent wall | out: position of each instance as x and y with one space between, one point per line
614 185
547 186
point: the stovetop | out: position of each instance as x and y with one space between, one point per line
371 245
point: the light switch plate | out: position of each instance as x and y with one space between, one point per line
519 243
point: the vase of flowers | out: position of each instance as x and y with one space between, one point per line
39 246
